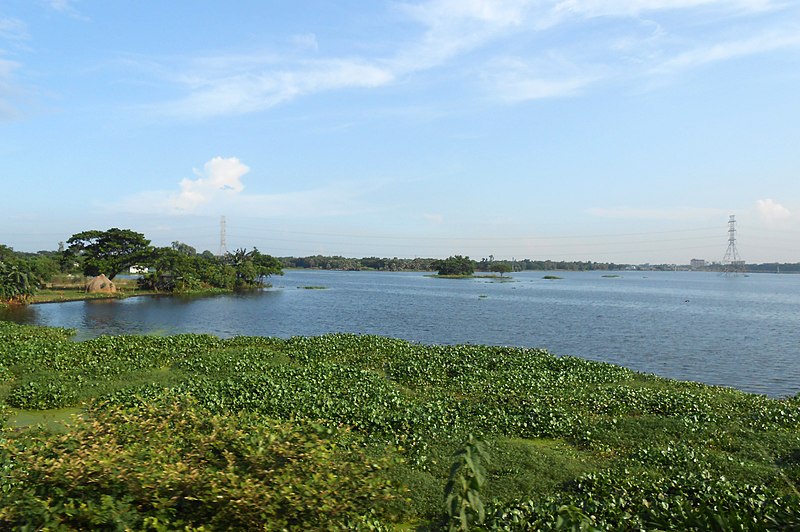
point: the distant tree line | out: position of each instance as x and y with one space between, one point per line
180 267
321 262
336 262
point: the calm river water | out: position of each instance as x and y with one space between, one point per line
735 331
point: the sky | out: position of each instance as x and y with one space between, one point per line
607 130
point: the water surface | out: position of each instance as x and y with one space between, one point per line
735 331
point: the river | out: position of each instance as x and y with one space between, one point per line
738 331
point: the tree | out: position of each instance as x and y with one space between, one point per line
17 282
171 270
109 252
184 249
455 265
501 267
252 267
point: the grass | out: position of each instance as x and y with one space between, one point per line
72 288
552 277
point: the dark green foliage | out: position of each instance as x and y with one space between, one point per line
176 270
21 276
500 267
251 267
109 252
455 265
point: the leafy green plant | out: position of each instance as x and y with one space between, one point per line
462 492
172 461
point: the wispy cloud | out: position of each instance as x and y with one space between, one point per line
722 51
245 92
66 7
305 41
219 187
13 30
635 8
514 80
526 36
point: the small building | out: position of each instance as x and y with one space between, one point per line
697 264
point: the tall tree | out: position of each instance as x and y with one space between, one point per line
109 252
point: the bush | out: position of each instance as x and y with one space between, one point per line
171 461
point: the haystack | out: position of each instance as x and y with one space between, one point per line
101 283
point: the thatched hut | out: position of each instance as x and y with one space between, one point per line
101 283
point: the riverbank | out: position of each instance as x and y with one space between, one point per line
194 430
68 289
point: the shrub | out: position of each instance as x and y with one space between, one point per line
171 461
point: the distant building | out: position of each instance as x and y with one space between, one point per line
697 264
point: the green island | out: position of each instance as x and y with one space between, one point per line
194 432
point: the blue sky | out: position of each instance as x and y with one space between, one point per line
605 130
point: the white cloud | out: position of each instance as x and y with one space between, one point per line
252 91
60 5
514 80
771 212
726 50
634 8
66 7
221 178
448 29
219 188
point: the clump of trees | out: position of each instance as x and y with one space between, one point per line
180 269
177 268
21 274
455 265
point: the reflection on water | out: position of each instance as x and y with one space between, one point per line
735 331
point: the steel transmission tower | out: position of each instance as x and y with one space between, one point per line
731 262
223 248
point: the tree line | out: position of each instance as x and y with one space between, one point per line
180 268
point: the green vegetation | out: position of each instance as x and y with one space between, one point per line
21 276
456 265
50 277
501 268
552 277
185 431
109 252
